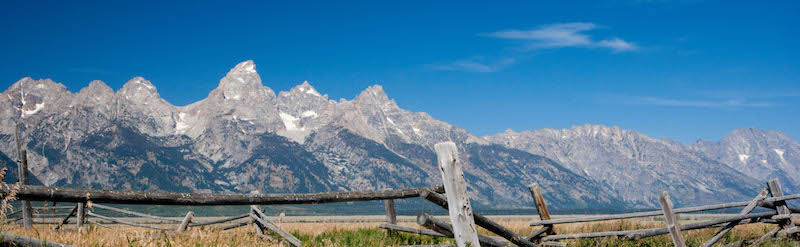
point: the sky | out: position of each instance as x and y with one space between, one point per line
683 70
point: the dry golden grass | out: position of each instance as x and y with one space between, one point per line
362 234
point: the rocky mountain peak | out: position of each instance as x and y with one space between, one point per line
242 82
307 89
38 86
373 95
96 92
30 97
139 90
244 68
95 88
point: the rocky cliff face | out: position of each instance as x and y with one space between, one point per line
244 138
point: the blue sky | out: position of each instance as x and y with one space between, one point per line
682 70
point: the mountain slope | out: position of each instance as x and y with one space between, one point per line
761 154
635 166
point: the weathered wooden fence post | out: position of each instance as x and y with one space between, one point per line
541 208
672 221
391 214
185 223
22 173
455 187
780 206
81 216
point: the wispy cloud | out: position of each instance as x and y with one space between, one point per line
564 35
476 64
704 103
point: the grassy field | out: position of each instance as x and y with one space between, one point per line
362 234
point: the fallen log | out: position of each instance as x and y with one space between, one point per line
62 194
11 239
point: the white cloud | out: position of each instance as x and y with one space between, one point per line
564 35
649 100
478 64
617 45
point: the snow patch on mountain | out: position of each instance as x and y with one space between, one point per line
743 157
38 107
289 121
780 152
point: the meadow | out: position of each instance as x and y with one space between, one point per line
341 234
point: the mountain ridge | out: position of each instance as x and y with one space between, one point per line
235 140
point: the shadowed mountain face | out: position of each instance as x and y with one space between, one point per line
245 138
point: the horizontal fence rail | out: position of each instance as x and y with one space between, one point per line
767 203
62 194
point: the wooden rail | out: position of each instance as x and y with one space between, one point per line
764 203
62 194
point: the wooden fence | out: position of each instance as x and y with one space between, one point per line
462 225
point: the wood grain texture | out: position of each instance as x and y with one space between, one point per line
455 186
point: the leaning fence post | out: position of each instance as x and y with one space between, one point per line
541 208
455 187
672 221
185 223
780 206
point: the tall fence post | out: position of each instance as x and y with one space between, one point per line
81 216
22 173
672 220
455 187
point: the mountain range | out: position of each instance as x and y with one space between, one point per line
245 138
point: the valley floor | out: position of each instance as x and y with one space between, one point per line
339 232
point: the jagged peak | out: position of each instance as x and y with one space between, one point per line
305 88
375 93
246 67
241 78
